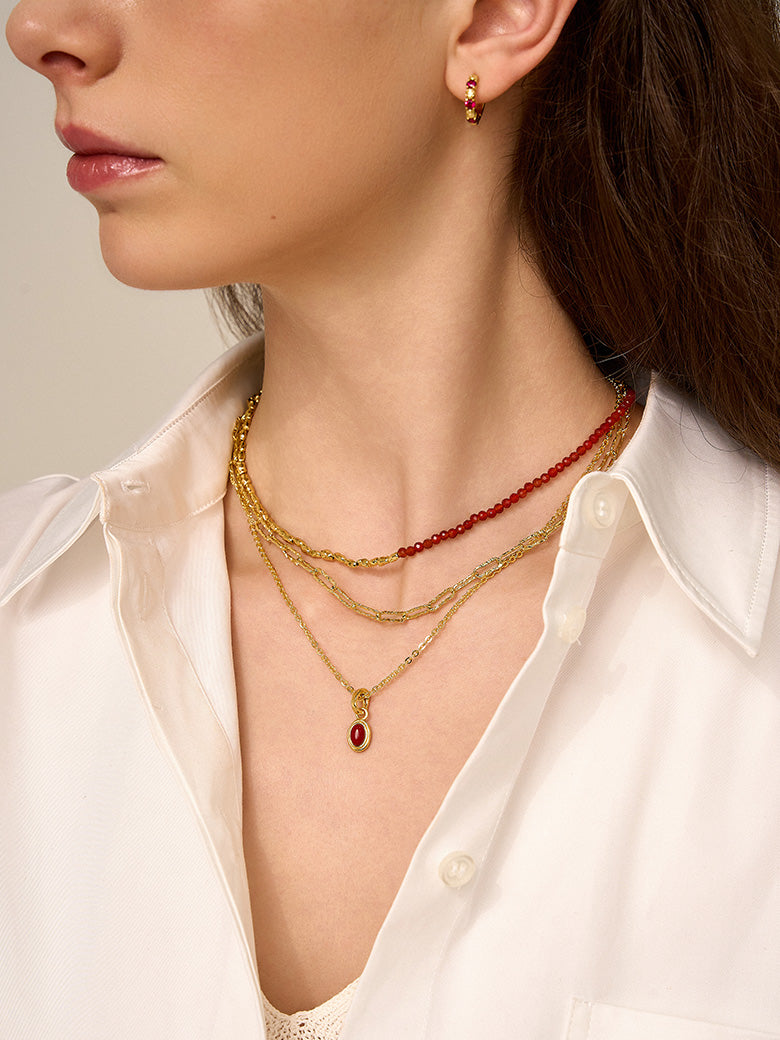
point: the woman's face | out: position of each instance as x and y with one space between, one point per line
254 132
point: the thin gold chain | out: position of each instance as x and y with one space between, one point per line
493 567
257 518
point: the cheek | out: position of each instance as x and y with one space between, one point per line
280 140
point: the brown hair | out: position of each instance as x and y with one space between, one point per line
647 184
646 187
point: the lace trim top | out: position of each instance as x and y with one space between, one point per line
321 1023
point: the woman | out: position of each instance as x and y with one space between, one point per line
555 810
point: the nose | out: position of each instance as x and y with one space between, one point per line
68 41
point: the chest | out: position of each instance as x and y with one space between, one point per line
329 833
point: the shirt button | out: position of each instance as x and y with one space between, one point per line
571 624
602 510
457 869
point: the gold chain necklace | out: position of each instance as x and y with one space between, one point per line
624 399
359 732
264 529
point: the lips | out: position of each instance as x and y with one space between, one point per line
99 161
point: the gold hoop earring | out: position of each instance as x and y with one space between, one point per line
473 110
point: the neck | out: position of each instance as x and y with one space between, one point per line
402 393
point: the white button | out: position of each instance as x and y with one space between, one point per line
602 510
571 624
457 869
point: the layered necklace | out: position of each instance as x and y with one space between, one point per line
605 443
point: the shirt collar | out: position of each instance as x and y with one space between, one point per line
711 507
177 470
181 467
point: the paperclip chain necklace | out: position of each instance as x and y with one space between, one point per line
359 732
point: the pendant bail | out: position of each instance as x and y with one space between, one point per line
359 733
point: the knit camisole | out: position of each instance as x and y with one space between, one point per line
321 1023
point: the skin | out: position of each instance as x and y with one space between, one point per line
417 369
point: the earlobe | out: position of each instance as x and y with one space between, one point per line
502 41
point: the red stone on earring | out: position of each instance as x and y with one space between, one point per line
474 110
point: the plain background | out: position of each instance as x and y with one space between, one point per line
87 364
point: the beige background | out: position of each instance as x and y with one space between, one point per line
87 364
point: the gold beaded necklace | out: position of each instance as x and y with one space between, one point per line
262 527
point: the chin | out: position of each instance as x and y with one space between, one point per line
153 261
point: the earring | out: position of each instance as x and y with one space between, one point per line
473 110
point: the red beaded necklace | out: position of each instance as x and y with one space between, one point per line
626 400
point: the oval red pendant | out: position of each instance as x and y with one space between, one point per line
359 736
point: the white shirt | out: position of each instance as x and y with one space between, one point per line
606 865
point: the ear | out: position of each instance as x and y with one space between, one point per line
501 41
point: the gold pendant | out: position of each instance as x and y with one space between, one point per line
359 733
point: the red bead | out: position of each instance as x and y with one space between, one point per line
616 416
357 735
